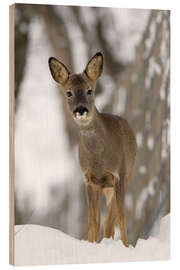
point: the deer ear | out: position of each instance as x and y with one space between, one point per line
59 71
95 67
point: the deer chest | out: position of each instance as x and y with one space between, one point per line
98 162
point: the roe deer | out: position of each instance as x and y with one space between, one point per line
107 147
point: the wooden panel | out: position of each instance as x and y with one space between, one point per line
11 134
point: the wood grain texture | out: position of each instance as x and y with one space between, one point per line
11 134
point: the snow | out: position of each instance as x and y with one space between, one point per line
154 69
152 35
139 139
164 53
150 142
142 169
128 201
149 190
164 81
150 41
39 245
165 139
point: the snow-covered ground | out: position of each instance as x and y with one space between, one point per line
39 245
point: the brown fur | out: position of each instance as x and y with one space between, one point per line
107 148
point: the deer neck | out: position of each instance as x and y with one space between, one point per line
93 134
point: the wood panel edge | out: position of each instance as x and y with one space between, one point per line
11 132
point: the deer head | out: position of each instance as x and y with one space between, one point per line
78 89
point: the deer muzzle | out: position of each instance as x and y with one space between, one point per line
81 112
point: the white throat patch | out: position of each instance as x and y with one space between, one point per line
81 116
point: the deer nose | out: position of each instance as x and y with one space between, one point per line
81 110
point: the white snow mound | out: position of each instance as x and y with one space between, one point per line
39 245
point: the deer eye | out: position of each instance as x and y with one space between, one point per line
69 93
89 92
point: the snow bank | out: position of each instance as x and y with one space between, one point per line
39 245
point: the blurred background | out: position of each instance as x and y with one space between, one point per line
49 189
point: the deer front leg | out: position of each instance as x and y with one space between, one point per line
119 193
110 220
93 194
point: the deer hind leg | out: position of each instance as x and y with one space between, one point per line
119 194
110 220
93 193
